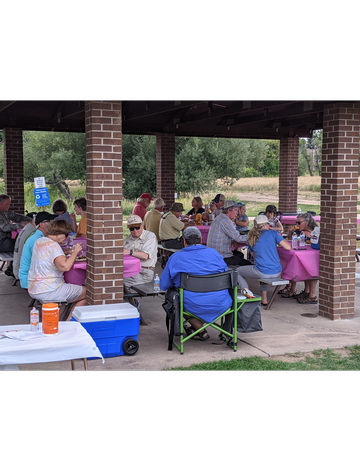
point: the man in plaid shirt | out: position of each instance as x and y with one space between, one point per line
223 234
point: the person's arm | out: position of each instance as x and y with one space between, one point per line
65 264
165 279
137 254
285 244
231 232
242 223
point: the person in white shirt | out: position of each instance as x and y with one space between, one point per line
141 244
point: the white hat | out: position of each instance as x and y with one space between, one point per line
261 219
134 219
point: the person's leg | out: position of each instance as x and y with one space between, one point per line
310 291
252 273
79 302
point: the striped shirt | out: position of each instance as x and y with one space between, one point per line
222 234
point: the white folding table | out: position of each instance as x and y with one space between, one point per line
72 342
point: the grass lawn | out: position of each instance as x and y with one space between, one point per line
322 359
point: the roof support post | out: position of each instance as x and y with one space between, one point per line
288 174
339 190
14 168
104 279
165 168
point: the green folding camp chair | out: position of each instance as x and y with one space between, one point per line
210 283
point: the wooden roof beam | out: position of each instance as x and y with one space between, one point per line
152 108
6 104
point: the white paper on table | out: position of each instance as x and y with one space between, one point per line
21 335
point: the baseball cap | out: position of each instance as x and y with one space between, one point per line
146 196
229 203
41 216
219 197
191 231
134 219
261 219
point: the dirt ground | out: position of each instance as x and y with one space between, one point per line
302 356
303 198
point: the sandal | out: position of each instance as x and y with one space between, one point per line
307 300
302 294
289 295
202 336
284 290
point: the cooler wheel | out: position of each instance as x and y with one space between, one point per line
130 347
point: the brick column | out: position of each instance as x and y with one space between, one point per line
165 168
339 189
104 195
288 174
14 168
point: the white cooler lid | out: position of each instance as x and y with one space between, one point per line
107 312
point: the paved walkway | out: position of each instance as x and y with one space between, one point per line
285 330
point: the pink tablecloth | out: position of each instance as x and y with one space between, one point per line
291 219
204 229
132 266
77 273
299 264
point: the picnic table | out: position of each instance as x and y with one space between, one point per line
77 274
299 265
72 342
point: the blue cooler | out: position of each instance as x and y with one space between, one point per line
113 327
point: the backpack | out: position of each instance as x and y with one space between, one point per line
172 309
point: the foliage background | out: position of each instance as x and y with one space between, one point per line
200 162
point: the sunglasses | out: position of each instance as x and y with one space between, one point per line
134 228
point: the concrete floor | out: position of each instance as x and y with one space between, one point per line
285 330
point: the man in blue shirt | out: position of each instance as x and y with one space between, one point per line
41 221
199 260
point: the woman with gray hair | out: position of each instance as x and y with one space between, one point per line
306 224
262 243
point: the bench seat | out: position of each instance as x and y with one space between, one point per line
6 257
277 282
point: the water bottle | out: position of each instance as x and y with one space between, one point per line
34 319
302 239
299 211
294 241
156 283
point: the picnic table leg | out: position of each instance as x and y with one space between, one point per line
276 290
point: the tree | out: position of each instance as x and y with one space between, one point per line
58 156
310 153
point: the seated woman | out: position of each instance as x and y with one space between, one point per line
80 209
197 208
48 264
262 244
242 221
305 223
61 209
274 221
